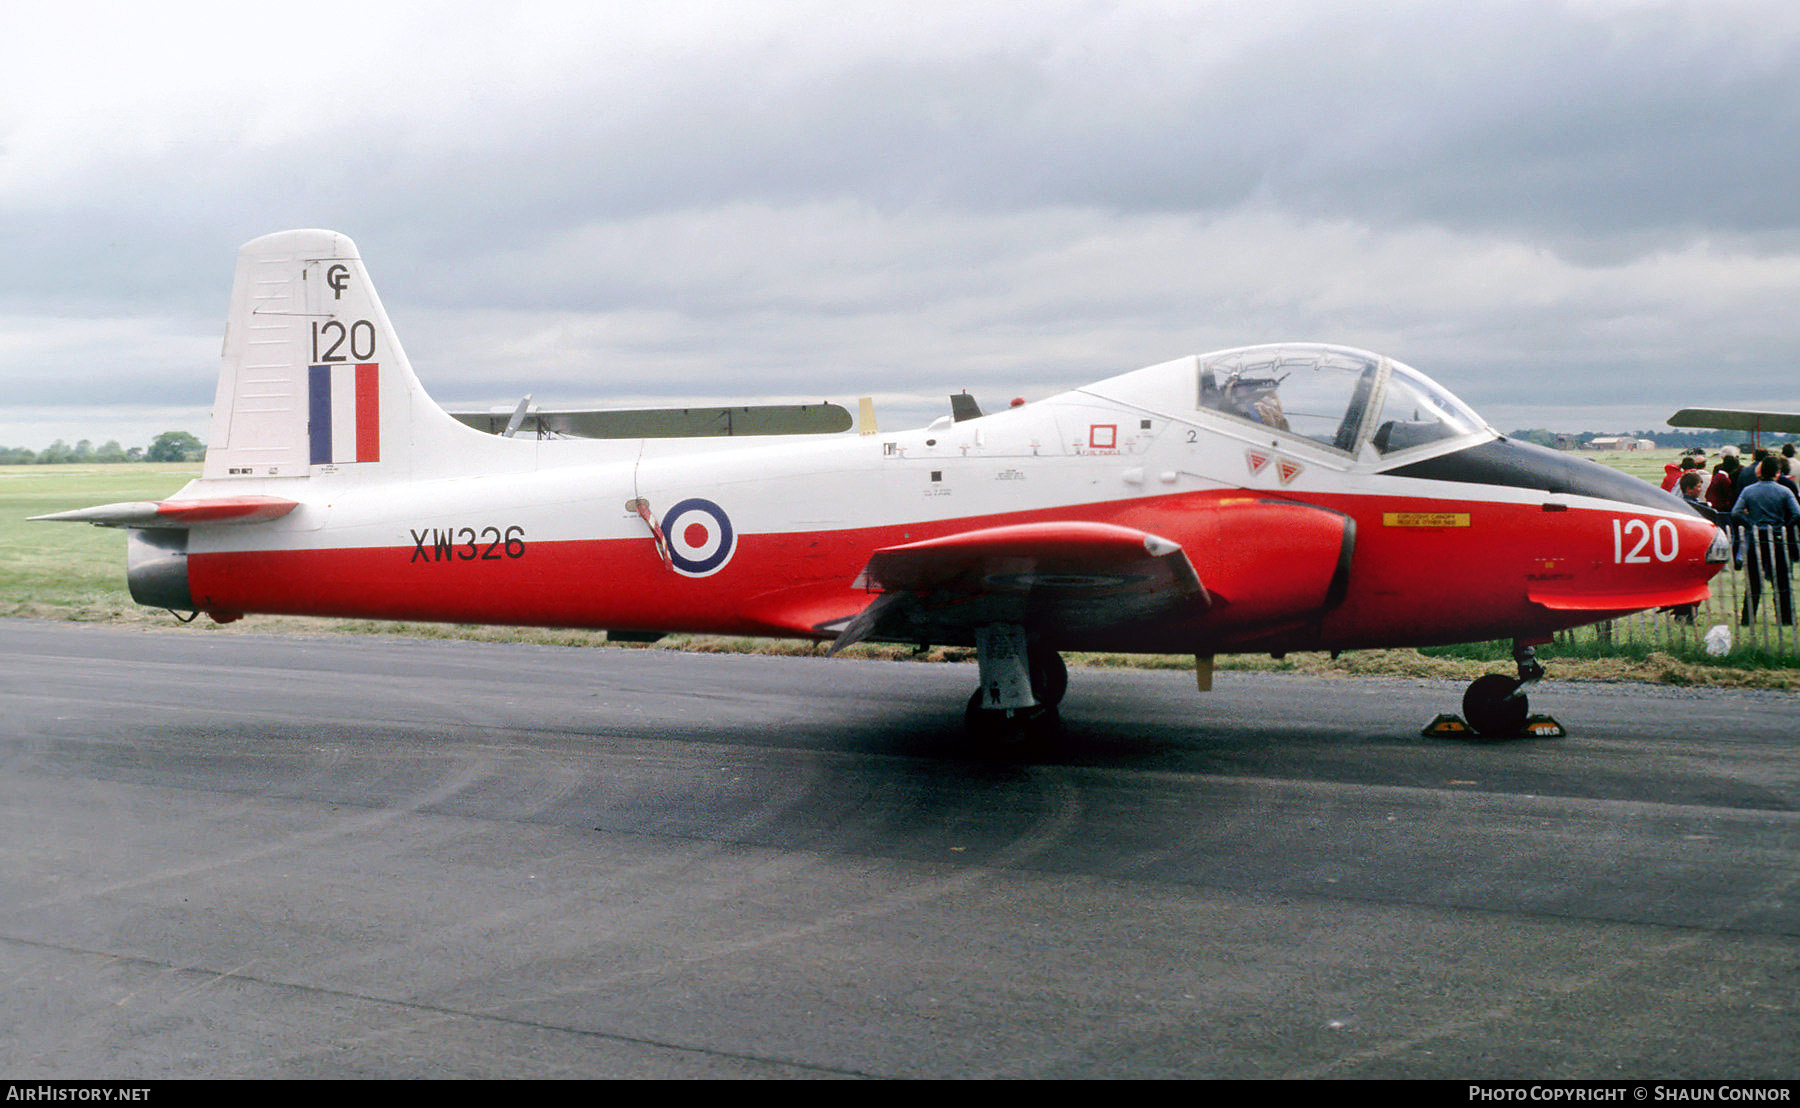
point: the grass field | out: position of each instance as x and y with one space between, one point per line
77 572
67 570
1647 464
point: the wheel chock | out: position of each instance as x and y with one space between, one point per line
1543 727
1447 725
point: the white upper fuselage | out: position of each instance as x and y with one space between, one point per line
1125 438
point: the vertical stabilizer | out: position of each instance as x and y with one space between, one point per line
313 379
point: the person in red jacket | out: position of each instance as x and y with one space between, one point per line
1672 471
1722 493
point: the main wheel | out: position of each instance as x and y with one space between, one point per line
1049 677
1495 707
1010 729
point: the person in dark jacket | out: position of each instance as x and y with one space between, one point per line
1691 485
1765 514
1745 476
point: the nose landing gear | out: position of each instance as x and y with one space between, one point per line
1496 706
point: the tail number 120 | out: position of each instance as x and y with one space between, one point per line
359 336
1631 537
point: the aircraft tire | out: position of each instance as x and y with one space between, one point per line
1495 707
1010 730
1049 677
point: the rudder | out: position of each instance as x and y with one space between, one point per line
313 379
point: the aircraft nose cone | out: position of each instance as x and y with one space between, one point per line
1642 547
1688 549
1701 534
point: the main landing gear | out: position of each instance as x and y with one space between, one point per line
1022 682
1496 706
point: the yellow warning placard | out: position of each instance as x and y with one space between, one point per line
1425 519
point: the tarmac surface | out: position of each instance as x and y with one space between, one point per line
234 855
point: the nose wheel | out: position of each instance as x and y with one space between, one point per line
1495 706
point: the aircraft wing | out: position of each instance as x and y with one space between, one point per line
1733 419
1070 575
661 423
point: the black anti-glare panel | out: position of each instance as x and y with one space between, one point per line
1524 465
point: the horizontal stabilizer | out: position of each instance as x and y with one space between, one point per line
177 513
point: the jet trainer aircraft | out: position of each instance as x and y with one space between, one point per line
1266 499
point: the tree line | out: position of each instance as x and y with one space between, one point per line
170 446
1664 439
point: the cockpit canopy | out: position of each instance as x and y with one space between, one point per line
1336 396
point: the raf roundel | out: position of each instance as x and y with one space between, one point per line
700 537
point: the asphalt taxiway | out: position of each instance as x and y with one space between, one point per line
228 855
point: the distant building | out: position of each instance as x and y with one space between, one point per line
1619 442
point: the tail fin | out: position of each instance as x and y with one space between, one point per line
314 380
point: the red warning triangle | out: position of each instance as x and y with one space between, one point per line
1288 470
1257 461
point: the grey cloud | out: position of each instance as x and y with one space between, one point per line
1528 118
1484 190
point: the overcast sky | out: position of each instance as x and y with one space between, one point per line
1576 215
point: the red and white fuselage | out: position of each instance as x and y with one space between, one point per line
1298 497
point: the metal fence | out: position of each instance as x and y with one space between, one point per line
1752 600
